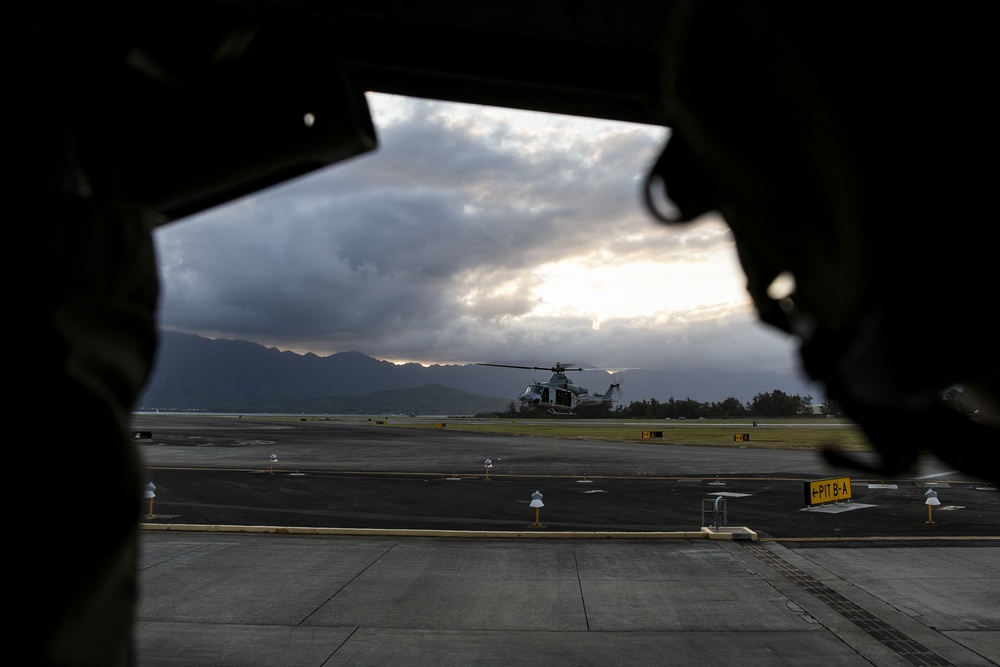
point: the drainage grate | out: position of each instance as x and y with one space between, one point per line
913 651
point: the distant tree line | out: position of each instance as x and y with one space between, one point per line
774 404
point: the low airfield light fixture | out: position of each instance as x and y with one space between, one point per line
488 465
150 492
274 459
931 502
536 502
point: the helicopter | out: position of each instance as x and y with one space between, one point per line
560 395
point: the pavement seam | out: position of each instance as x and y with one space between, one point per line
348 583
910 649
583 598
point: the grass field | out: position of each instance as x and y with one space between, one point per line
775 434
806 433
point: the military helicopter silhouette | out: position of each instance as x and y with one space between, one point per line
560 395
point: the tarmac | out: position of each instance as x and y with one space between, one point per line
222 583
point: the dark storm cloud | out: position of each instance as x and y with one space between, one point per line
430 249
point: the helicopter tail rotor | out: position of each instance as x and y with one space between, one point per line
618 396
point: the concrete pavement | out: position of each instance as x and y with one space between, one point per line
248 599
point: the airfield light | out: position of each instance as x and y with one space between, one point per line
150 492
536 502
274 459
488 464
932 501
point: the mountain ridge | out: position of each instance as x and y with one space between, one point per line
192 372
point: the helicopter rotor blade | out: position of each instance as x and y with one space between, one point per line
506 366
528 368
558 368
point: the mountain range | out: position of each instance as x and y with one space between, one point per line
219 375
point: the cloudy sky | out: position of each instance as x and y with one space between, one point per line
472 234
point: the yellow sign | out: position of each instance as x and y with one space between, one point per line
652 434
820 491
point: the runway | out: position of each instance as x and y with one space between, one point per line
619 573
218 471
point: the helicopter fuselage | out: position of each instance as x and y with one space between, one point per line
560 395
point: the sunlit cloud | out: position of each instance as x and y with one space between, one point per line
471 234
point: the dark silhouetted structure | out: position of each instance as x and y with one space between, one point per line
841 144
